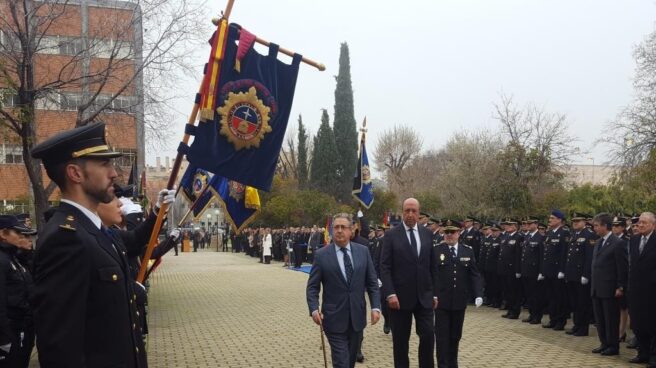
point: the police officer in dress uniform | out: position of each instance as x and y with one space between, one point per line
434 226
493 283
84 308
531 256
16 327
456 279
470 235
578 265
486 241
553 270
509 256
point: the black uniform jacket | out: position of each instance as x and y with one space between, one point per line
554 254
15 288
531 255
509 254
455 280
84 308
579 255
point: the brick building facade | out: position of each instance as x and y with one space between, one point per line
99 40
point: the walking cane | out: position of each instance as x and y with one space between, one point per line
323 345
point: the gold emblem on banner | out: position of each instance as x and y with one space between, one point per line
244 119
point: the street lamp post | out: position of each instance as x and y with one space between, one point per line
216 212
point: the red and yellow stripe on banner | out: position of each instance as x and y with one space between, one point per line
211 79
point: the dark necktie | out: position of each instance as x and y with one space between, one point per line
453 252
108 233
413 241
643 242
601 244
348 266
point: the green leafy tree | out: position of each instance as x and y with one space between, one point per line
302 155
346 135
324 173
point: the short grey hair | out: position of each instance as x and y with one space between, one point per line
342 215
650 215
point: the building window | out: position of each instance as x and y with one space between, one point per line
8 98
11 154
70 101
128 158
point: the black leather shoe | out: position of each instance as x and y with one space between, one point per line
581 333
549 325
513 316
527 320
639 360
359 358
386 328
505 315
571 331
599 350
559 327
535 322
610 352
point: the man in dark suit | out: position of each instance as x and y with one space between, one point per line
609 279
405 268
456 280
346 271
83 300
642 288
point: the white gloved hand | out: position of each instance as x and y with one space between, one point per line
360 214
518 275
165 196
478 302
584 281
175 234
540 277
380 283
561 275
6 348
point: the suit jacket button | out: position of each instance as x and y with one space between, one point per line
114 277
136 349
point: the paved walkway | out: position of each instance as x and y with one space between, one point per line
212 309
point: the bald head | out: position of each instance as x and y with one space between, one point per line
410 212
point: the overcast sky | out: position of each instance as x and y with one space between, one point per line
440 65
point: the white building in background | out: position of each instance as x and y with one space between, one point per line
577 175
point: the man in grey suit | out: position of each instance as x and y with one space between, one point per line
346 271
610 267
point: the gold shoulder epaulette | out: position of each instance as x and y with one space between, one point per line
68 225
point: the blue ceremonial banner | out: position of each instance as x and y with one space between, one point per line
240 202
193 182
254 97
363 189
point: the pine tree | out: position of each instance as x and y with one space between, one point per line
302 155
325 159
346 135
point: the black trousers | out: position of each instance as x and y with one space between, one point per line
580 303
448 331
607 317
298 256
534 291
557 295
646 345
401 323
512 289
22 343
344 347
493 287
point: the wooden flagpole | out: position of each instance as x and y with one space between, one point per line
285 51
174 174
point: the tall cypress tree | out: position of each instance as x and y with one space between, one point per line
302 155
325 159
346 135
